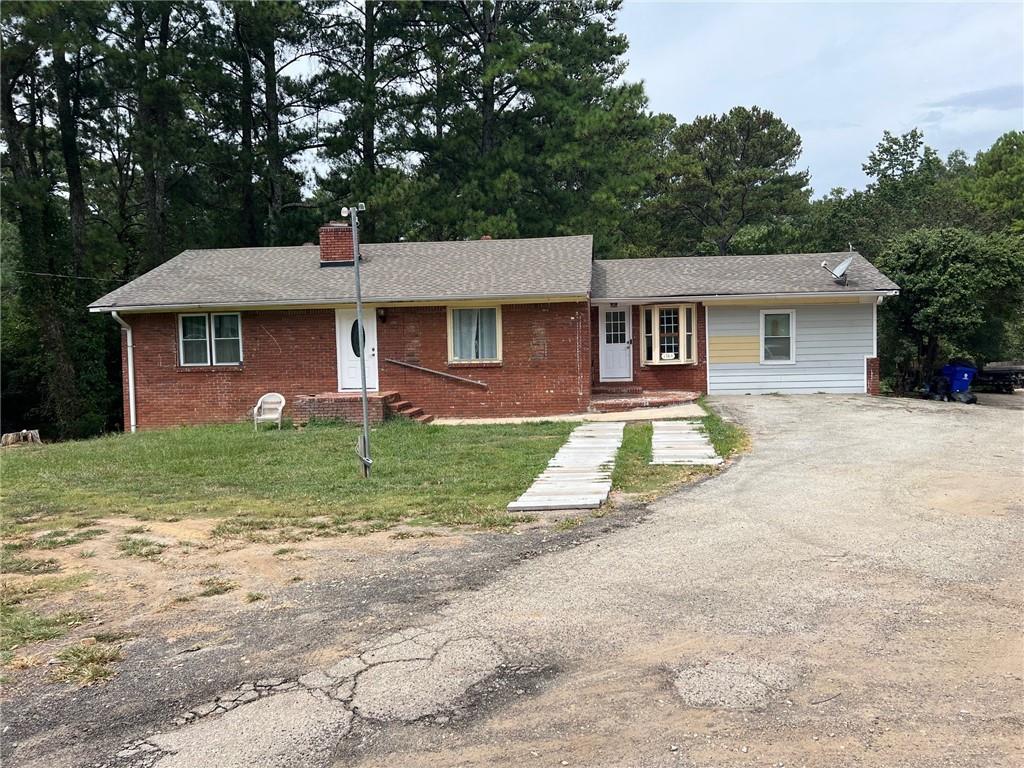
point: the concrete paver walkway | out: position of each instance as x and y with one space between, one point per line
681 442
580 474
684 411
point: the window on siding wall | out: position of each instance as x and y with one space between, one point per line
668 334
210 339
777 329
474 335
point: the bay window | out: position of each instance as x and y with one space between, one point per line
668 334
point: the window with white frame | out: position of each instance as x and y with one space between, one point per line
474 334
668 333
777 336
210 339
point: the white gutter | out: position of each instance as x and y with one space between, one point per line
716 297
334 303
131 368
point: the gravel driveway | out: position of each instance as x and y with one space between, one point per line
848 594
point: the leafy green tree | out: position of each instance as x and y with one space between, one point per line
996 185
911 187
724 173
957 288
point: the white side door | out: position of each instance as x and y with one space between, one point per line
347 336
616 346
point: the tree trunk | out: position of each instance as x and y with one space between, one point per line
275 160
29 195
489 35
68 129
247 167
369 105
151 126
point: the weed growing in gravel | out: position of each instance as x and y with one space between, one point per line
86 663
110 637
12 594
216 587
19 626
568 524
254 597
59 538
137 529
27 565
139 546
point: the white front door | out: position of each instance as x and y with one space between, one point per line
616 347
347 337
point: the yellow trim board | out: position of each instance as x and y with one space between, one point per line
734 349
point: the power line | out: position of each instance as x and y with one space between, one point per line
67 277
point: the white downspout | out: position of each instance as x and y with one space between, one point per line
131 368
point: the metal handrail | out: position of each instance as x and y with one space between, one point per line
463 379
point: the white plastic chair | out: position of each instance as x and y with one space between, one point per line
268 409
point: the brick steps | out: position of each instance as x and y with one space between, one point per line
624 400
399 407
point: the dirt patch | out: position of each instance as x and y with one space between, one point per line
733 682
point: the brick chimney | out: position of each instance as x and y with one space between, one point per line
336 245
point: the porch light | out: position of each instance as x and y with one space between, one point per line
382 314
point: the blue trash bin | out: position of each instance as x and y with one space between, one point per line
960 376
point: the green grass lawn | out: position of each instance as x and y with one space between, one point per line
634 474
307 481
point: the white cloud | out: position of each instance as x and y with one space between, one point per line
838 73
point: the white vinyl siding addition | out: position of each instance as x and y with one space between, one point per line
830 344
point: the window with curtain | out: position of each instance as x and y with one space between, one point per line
777 337
210 339
195 343
668 334
227 339
474 334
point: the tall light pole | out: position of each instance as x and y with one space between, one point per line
364 443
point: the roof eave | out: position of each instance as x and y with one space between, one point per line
712 297
340 301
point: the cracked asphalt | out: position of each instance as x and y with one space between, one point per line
848 594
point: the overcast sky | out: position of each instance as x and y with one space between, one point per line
839 73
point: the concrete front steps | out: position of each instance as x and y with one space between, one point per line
608 400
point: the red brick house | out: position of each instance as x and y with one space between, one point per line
528 327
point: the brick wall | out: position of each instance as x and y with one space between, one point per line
338 406
874 376
291 352
545 368
691 377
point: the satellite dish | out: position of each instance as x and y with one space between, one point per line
839 273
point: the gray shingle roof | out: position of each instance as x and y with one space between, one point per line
732 275
544 266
